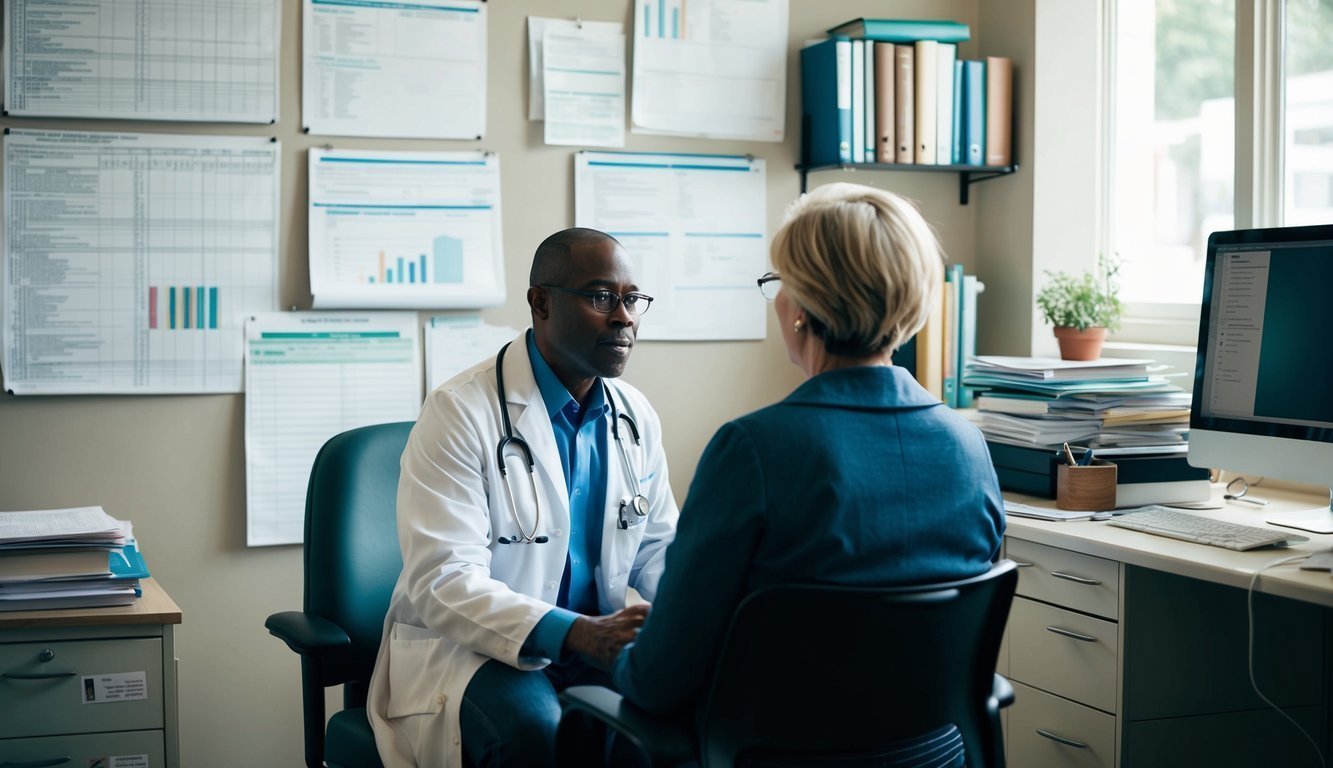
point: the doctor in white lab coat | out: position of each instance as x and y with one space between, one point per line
483 560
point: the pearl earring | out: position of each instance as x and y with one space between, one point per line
798 326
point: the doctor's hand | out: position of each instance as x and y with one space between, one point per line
600 638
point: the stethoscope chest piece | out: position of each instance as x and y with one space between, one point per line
633 510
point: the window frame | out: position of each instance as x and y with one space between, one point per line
1260 101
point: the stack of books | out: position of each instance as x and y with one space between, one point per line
1125 411
936 354
67 558
893 91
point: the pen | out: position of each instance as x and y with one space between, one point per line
1086 458
1069 456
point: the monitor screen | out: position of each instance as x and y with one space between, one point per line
1264 369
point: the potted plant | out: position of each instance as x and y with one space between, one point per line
1083 309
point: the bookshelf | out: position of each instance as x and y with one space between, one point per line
967 174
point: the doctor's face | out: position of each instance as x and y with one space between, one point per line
579 342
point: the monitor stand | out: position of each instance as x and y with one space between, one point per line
1317 520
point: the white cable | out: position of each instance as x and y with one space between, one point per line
1249 611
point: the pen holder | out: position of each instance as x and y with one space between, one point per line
1090 488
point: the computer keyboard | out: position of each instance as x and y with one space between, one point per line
1161 521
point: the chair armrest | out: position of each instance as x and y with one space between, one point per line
1002 691
664 742
306 633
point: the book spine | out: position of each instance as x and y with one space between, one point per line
844 91
999 110
967 336
948 54
904 102
953 302
927 60
956 152
858 73
871 137
974 120
930 346
819 103
884 117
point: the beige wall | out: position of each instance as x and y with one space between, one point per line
175 465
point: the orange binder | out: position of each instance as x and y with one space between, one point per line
999 110
885 152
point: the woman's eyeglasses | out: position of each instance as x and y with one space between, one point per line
769 285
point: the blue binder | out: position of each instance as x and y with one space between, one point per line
826 101
974 119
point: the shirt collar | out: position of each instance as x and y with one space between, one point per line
554 394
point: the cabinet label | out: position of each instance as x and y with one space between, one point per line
119 761
112 688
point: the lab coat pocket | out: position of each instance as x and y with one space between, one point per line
412 689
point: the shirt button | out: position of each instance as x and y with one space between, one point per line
440 699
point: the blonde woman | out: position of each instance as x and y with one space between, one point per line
858 477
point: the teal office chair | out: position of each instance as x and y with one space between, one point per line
352 560
829 676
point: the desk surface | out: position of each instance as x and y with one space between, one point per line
1199 561
155 607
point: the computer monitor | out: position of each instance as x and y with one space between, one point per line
1263 381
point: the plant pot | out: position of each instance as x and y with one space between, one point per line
1079 345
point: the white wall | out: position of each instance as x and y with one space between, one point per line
175 465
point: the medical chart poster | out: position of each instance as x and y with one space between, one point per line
710 68
408 230
695 228
132 260
455 343
213 60
308 377
394 68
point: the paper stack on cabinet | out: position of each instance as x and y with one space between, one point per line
67 558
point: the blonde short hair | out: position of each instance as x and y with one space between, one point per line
863 264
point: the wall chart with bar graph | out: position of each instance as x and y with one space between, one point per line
410 230
131 260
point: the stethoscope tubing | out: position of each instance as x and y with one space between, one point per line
509 440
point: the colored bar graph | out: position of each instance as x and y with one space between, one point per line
401 271
171 305
383 278
213 308
661 18
152 307
422 261
185 298
675 23
199 308
388 275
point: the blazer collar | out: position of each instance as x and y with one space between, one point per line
867 387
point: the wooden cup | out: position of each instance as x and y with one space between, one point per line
1090 488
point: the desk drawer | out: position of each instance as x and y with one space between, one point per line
1063 652
42 687
145 748
1070 579
1046 730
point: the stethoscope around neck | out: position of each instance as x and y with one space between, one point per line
633 510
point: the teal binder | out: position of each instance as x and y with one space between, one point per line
826 102
127 563
974 113
904 30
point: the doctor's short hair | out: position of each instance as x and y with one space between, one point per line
863 264
550 264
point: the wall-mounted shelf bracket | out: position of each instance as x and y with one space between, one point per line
967 174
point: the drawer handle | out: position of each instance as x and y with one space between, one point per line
1075 579
1075 635
1062 740
36 676
1021 564
44 763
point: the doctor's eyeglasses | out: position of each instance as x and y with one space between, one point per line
770 284
607 301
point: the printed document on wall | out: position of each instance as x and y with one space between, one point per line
308 377
395 68
132 260
214 60
584 77
710 68
405 229
537 27
695 228
455 343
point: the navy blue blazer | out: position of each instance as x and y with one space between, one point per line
859 477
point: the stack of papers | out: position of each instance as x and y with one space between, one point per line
67 558
1108 403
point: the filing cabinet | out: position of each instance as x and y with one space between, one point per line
90 686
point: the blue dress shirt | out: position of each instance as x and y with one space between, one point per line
582 443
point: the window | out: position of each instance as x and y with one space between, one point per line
1174 123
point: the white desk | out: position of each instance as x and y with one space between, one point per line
1130 649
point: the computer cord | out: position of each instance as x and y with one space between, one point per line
1249 609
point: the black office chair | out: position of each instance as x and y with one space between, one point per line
830 676
352 560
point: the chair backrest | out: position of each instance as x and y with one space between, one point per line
352 557
804 667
